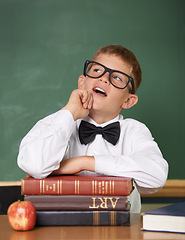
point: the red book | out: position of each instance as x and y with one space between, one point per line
77 185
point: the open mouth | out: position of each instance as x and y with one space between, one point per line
100 91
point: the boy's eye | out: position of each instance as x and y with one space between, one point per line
97 70
117 78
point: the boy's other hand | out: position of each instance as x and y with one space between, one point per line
76 165
79 104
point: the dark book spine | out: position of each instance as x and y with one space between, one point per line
83 218
81 202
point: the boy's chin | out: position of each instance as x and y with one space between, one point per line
95 107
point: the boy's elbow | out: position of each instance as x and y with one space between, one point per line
160 176
155 181
38 173
33 169
164 174
35 173
153 187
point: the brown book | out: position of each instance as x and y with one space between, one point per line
79 202
77 185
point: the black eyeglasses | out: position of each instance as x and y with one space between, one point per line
118 79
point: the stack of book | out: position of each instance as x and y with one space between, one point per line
79 200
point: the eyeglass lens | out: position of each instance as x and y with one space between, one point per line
118 79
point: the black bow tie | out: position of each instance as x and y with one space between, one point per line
88 131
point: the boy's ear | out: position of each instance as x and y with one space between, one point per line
81 81
130 101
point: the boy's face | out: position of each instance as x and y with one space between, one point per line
108 100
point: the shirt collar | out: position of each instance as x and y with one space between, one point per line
90 120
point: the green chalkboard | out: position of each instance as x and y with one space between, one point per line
43 46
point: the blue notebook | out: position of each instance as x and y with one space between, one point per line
166 219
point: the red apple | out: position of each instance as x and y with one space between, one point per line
22 215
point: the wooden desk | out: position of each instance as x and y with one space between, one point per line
82 233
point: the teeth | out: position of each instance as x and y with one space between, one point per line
99 89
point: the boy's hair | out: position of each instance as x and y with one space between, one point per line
127 56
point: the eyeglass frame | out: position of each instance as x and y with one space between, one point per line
110 71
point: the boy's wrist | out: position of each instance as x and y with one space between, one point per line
73 112
76 165
89 163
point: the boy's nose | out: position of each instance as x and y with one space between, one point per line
105 78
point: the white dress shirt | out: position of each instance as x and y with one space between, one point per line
55 138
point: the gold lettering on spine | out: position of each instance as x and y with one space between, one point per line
106 187
60 187
96 218
78 187
95 187
103 187
103 202
113 187
94 203
99 187
113 202
43 183
44 187
110 185
113 218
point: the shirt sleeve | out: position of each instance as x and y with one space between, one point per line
145 163
43 148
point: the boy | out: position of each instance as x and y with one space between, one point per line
63 144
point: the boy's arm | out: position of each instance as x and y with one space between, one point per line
76 165
145 163
149 172
44 147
